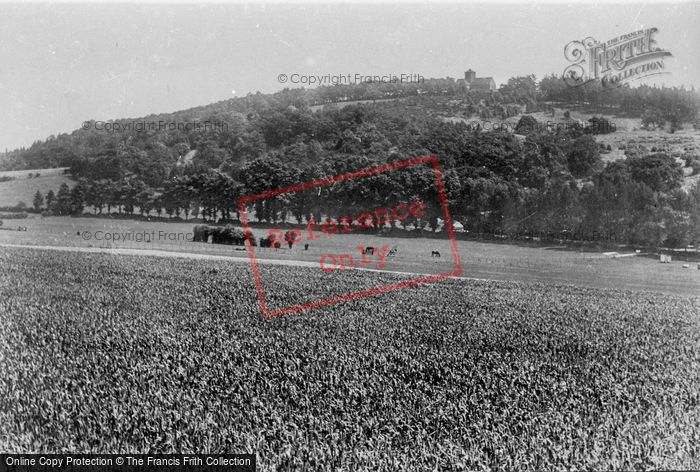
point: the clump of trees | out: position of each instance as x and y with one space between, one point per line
222 235
66 201
658 107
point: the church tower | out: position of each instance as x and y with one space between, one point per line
469 76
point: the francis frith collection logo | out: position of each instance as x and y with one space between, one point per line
619 60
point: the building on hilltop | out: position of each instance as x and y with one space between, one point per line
481 84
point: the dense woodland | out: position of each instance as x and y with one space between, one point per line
535 181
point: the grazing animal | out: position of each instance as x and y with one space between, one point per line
289 236
201 233
435 254
368 250
392 251
267 242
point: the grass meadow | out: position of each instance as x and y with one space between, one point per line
490 260
23 187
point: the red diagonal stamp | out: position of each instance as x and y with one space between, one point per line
348 210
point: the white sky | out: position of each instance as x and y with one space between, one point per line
61 64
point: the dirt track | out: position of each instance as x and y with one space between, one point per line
190 255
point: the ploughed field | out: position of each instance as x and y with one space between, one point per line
107 353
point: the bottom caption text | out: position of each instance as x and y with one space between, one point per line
128 462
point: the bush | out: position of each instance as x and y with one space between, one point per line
582 156
696 167
600 125
221 235
689 159
660 172
527 124
229 235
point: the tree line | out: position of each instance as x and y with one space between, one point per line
495 182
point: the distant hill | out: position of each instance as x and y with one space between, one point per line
227 134
554 164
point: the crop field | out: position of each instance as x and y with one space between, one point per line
23 187
137 354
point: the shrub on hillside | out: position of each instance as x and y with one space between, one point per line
695 165
527 124
600 125
659 172
690 158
